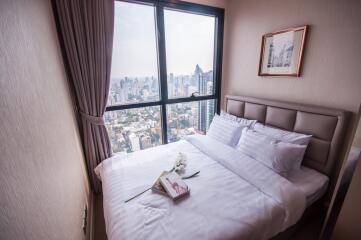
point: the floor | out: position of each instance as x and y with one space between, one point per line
310 231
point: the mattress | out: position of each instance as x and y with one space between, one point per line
233 197
313 183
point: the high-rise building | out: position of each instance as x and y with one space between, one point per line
145 142
186 90
154 85
123 95
202 105
171 85
210 104
134 142
198 72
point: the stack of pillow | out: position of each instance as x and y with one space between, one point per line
280 150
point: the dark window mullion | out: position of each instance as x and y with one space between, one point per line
191 7
130 106
218 51
160 103
162 68
190 99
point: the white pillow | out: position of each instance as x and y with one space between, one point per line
225 131
283 135
234 118
280 156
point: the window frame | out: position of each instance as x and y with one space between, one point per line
160 5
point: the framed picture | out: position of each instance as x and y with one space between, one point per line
282 52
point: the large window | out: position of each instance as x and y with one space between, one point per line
165 76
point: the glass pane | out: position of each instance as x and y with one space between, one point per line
134 72
189 118
189 44
134 129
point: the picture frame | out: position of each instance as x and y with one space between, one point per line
282 52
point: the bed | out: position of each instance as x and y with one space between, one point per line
234 197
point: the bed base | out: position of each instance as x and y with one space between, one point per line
316 209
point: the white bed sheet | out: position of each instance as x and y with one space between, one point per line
234 197
313 183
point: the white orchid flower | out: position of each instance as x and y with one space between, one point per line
181 162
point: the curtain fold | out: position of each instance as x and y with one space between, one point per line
86 28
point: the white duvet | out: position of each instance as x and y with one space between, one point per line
234 196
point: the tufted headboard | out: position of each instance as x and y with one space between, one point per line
327 126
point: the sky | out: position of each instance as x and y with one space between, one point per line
189 41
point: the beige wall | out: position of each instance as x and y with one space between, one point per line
331 73
42 176
213 3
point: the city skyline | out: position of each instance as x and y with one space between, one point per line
140 128
127 90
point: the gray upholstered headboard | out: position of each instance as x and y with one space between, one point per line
327 126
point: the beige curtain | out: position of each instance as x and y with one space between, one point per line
86 28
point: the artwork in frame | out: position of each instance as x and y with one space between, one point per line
282 52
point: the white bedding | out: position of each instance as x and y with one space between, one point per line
234 196
314 184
